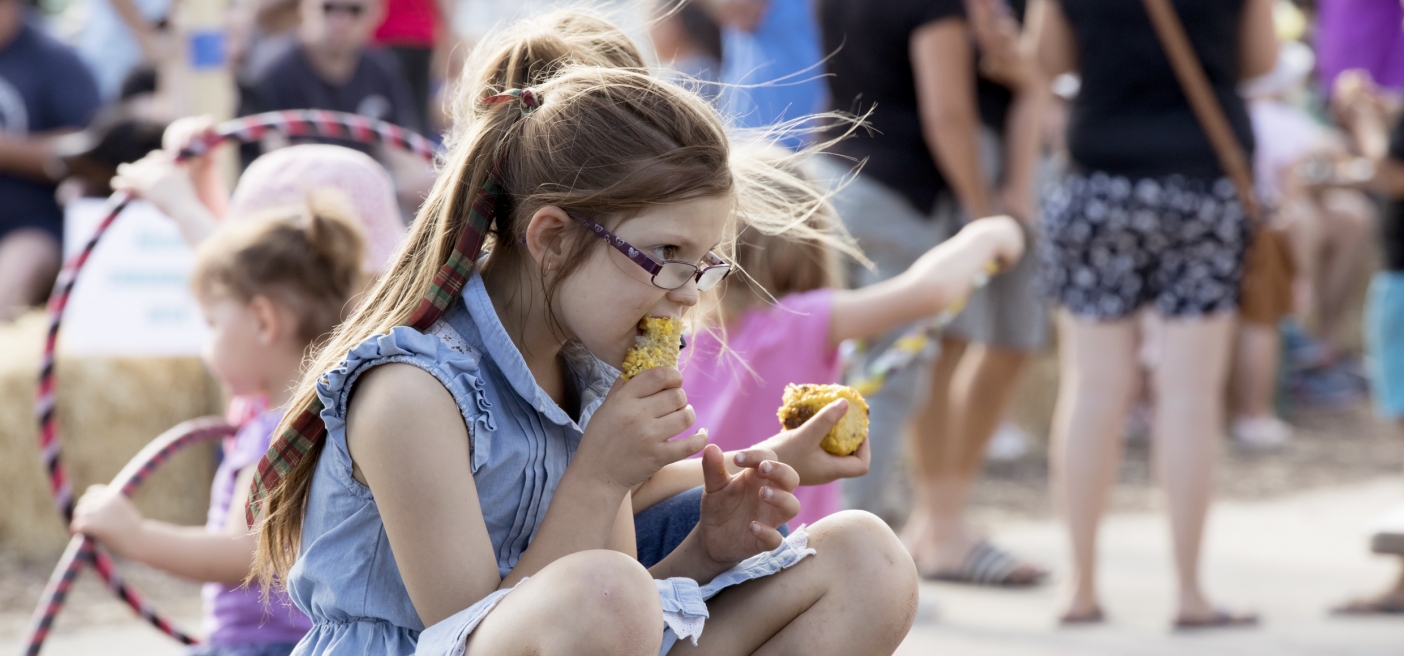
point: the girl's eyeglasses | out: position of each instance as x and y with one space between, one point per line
668 274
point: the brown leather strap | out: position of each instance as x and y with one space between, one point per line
1203 102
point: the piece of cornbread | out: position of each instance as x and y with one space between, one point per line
804 401
658 346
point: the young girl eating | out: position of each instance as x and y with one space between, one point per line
469 455
269 286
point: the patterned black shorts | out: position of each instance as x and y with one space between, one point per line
1113 245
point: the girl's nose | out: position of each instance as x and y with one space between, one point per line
687 295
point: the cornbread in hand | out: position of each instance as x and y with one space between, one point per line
804 401
658 346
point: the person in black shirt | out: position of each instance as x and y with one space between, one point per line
954 136
333 68
45 92
1364 114
1145 218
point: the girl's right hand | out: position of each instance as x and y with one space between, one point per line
630 437
105 514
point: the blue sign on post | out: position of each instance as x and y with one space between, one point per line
207 49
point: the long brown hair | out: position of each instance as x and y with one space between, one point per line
605 142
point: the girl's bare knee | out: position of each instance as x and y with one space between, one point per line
864 558
608 604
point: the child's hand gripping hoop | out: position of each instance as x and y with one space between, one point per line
82 549
296 123
916 342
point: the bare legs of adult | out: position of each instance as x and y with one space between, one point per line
1097 380
971 387
1254 384
1328 247
29 260
1189 416
1099 371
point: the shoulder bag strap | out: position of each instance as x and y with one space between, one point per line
1203 102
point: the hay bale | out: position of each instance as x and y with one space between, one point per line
108 408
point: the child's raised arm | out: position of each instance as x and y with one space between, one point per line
940 278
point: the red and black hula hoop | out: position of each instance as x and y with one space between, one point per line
295 123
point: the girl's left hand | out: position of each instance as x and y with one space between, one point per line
740 513
799 448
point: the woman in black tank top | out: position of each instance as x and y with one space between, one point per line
1145 218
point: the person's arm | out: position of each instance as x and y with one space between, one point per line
31 156
204 174
623 539
798 448
940 278
1257 40
159 180
191 552
1365 117
944 68
1023 147
146 34
1048 38
425 493
410 447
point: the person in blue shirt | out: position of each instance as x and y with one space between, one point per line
45 92
773 61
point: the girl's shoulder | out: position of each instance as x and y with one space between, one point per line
440 351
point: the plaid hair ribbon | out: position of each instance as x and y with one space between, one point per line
307 430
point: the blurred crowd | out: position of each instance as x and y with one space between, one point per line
1066 115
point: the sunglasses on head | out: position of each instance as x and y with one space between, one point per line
668 274
349 8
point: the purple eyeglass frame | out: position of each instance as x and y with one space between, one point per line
654 267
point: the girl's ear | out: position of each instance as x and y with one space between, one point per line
545 237
271 324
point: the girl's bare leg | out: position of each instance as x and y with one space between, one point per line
1189 383
595 603
856 595
1098 376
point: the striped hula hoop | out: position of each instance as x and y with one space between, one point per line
82 550
294 123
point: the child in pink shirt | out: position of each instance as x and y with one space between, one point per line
737 389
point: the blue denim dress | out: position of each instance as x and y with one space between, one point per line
345 577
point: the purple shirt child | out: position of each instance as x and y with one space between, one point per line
785 343
1366 34
235 615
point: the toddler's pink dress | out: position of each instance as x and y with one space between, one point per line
784 343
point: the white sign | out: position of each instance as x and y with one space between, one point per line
133 296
